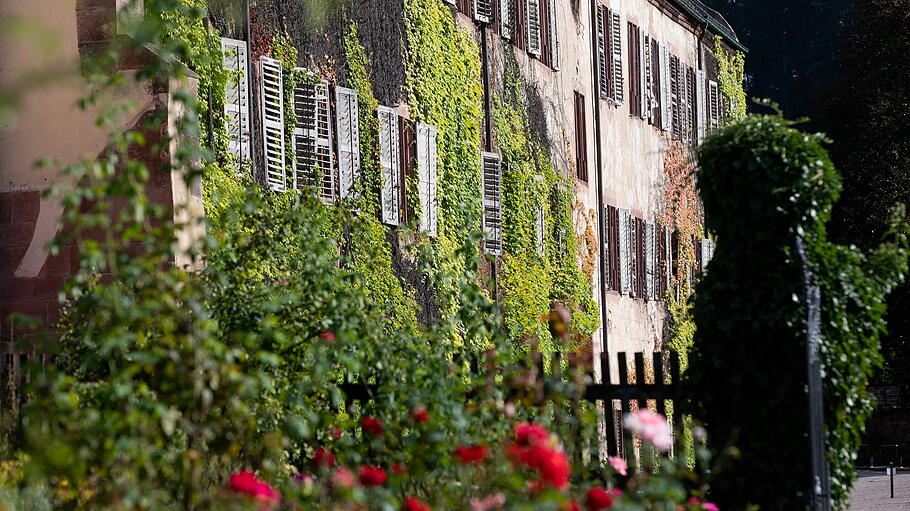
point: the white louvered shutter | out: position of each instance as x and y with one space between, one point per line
603 60
313 140
506 19
271 101
625 251
714 104
643 79
533 27
707 253
650 260
492 204
390 164
666 116
426 172
648 94
347 122
616 46
237 98
483 10
553 27
702 104
540 225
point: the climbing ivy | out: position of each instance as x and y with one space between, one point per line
534 275
444 89
731 74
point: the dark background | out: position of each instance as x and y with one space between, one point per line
845 64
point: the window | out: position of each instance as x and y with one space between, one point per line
603 69
492 204
625 251
714 104
313 140
611 265
506 18
390 165
581 143
534 43
634 70
707 253
271 101
616 47
553 34
654 66
427 160
664 264
645 80
237 99
666 99
701 100
483 10
347 123
639 243
651 273
675 110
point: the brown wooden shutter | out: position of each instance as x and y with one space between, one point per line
641 264
606 22
520 32
611 269
408 153
544 10
656 116
634 71
581 143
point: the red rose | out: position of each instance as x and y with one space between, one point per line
372 426
598 498
336 433
398 469
372 476
528 433
571 506
421 415
471 454
323 458
246 483
553 466
415 504
327 336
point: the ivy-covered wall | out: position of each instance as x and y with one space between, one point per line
423 59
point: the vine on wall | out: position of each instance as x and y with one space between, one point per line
731 74
533 277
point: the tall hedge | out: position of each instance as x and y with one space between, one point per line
763 183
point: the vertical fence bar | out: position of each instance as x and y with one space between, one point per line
640 376
609 422
658 362
623 367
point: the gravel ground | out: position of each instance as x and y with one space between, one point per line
872 492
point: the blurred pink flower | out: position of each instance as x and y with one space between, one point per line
652 427
344 477
619 465
489 502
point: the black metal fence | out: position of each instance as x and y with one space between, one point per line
637 383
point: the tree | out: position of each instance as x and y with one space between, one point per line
867 116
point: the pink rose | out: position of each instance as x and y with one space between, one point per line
652 427
619 465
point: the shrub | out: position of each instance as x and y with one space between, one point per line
764 183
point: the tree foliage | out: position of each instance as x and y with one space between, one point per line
763 184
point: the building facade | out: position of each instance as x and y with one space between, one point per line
608 88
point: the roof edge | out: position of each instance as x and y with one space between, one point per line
712 24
